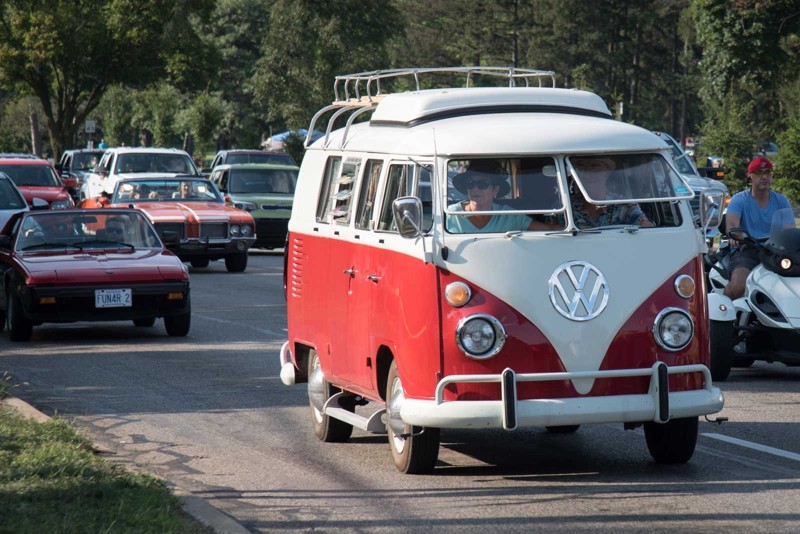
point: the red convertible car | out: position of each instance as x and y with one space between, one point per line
208 229
89 265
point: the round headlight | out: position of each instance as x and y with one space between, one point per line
684 286
786 264
673 329
235 230
247 230
457 294
480 336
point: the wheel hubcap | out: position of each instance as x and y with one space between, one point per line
396 425
316 395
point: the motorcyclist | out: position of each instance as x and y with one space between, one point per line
751 209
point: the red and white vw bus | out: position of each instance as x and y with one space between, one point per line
494 257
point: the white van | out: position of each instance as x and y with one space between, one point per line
494 257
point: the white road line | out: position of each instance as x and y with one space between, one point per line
755 446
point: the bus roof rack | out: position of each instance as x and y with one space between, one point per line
361 91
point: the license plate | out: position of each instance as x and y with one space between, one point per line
113 298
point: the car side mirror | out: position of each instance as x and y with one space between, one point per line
408 216
70 182
39 204
170 237
711 204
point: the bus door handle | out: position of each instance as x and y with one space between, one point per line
373 278
350 272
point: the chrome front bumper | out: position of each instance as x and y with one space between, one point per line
658 404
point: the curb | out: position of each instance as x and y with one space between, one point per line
196 507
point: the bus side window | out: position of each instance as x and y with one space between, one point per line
324 204
425 194
367 194
397 185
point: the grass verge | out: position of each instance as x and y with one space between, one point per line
51 481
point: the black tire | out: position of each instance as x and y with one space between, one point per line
236 263
418 452
200 263
672 442
562 429
19 327
147 321
721 334
326 428
179 325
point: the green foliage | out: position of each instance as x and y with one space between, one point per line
727 132
294 145
156 110
203 118
50 481
115 116
309 42
787 168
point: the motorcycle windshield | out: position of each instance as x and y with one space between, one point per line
781 220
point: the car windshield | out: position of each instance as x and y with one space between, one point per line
31 175
83 161
178 190
155 162
53 230
10 198
282 181
275 159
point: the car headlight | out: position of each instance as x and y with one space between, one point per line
61 204
673 329
235 230
247 206
480 336
247 230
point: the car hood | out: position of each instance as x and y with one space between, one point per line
93 266
193 211
50 194
698 182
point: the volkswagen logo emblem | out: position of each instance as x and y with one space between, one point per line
578 291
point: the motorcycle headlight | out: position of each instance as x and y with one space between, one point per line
235 230
673 329
480 336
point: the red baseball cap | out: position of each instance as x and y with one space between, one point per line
758 164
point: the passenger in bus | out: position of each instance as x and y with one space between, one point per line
482 189
596 175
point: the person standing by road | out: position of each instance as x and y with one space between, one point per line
751 209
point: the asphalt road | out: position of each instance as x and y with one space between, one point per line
209 414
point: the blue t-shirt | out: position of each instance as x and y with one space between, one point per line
459 224
756 221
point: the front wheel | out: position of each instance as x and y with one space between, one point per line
179 325
326 428
672 442
721 334
236 263
414 449
19 327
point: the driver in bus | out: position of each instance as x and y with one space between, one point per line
483 183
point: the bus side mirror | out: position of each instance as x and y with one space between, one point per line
408 216
711 201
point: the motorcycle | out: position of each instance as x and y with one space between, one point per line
764 324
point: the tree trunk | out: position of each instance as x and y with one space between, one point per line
36 134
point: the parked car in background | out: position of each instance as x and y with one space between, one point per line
78 164
11 200
692 176
768 149
191 207
127 162
89 265
238 157
36 178
264 190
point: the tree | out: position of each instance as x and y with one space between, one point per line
203 119
67 54
309 42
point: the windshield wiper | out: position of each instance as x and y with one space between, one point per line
630 228
52 245
109 242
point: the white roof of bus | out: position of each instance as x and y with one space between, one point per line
411 106
534 131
